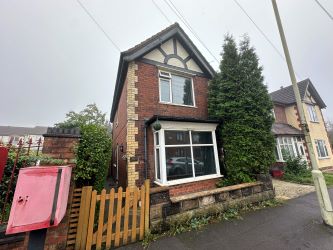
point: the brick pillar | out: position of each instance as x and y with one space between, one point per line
60 143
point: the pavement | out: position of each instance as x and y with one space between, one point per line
296 224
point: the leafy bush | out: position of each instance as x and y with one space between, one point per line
296 170
93 156
295 166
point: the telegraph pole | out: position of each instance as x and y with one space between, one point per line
318 178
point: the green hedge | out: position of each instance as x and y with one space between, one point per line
93 156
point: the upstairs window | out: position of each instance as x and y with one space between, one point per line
176 89
312 113
321 149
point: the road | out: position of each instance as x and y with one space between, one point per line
295 225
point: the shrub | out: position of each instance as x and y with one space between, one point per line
93 156
295 166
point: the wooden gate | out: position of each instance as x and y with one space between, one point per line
111 218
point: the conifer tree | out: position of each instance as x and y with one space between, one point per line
238 96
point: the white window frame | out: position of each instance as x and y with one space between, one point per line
294 142
312 113
273 114
183 126
318 143
168 76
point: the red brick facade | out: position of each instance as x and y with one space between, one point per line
119 133
149 105
280 115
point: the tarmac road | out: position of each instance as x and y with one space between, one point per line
295 225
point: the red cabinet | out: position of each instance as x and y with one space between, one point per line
40 198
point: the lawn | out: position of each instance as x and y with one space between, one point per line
306 178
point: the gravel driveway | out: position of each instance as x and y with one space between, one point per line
286 190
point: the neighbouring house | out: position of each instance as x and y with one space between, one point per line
161 129
24 133
287 127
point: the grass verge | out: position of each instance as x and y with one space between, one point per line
306 178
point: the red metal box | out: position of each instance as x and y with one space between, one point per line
40 198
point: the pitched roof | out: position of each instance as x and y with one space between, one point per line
285 129
286 95
21 131
147 46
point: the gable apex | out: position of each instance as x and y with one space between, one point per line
196 60
164 36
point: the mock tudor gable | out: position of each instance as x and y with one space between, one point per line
171 48
172 53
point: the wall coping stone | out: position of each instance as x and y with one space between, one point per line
63 132
176 199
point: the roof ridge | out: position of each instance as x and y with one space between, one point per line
156 35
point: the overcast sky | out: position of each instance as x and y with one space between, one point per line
54 59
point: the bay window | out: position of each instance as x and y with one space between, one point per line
185 154
176 89
287 146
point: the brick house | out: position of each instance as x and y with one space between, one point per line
163 82
287 127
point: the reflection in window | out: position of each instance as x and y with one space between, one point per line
178 163
204 161
176 137
176 89
186 157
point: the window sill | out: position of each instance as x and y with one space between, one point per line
188 180
324 158
315 122
179 105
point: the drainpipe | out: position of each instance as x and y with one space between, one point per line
145 151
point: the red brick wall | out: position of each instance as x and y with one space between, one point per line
280 115
60 147
148 106
192 187
119 134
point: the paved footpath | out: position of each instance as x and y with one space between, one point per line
295 225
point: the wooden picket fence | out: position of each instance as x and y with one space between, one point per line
110 219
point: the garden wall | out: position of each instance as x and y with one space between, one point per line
166 209
58 144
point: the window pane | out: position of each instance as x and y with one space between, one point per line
175 137
276 153
178 163
202 137
204 160
182 90
321 148
165 90
157 142
158 167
